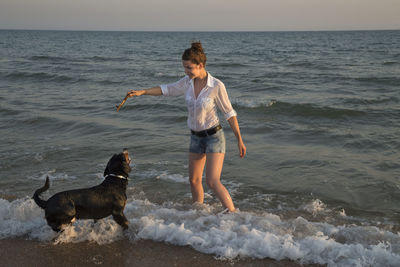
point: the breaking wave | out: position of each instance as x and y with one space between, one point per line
241 234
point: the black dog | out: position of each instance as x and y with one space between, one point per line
108 198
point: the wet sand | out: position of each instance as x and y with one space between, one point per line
20 252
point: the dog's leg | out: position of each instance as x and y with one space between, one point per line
120 218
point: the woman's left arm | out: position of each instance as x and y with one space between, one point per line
233 122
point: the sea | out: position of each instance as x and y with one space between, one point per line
319 113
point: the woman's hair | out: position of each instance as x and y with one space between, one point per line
195 54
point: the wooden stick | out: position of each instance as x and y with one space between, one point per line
122 103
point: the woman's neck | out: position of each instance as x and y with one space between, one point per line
203 75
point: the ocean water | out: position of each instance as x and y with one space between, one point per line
319 113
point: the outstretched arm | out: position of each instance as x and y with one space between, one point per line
151 91
233 122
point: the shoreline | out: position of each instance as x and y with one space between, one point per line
22 252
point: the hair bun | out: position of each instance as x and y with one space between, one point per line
195 54
196 46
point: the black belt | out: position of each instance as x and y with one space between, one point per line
207 132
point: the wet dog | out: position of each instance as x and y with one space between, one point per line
107 198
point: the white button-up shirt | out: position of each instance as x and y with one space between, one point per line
203 109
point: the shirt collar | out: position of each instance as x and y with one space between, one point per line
210 80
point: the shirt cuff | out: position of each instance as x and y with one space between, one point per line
230 114
164 89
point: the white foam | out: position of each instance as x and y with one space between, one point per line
253 103
168 75
266 235
177 178
20 217
53 175
315 207
103 231
242 234
233 187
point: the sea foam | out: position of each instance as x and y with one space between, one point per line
253 103
52 174
241 234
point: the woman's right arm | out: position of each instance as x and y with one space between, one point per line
172 89
151 91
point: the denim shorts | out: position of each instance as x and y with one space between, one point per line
208 144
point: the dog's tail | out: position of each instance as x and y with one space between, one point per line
40 202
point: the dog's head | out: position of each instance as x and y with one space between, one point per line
119 164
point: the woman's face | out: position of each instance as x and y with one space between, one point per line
192 70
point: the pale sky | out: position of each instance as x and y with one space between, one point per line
201 15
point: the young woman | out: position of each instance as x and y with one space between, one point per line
203 94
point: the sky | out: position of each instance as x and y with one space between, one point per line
202 15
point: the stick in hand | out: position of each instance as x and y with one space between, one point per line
122 103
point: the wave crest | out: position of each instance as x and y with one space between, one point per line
242 234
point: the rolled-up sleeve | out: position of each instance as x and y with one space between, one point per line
223 102
175 89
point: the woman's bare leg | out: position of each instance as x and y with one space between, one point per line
214 164
196 168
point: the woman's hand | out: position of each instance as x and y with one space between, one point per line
235 128
242 149
151 91
135 93
128 95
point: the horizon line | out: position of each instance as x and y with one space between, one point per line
320 30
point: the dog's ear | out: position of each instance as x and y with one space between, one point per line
108 168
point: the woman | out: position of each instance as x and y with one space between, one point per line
203 93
